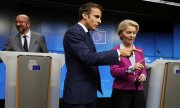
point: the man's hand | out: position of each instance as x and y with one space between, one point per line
134 49
139 65
128 51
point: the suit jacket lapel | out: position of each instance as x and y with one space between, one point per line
32 42
92 43
87 37
19 42
137 56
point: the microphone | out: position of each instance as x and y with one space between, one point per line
158 51
160 54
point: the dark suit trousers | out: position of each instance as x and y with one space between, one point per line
127 99
91 105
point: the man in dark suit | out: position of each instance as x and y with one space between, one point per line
35 42
82 78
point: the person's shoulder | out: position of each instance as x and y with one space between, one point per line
35 33
75 29
116 47
137 47
13 36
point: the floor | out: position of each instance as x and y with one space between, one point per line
102 103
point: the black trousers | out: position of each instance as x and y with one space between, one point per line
91 105
127 99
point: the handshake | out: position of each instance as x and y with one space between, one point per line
127 51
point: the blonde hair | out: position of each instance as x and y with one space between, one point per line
123 24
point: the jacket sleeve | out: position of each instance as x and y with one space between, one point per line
43 45
8 45
144 70
77 45
118 71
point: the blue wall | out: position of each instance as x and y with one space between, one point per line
176 40
159 38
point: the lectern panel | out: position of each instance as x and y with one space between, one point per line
33 79
163 90
10 59
172 88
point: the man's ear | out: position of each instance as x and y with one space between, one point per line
28 24
84 15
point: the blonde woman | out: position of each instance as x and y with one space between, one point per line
130 72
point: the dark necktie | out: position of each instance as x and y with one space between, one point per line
89 35
99 80
25 44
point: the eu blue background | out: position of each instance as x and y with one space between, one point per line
158 37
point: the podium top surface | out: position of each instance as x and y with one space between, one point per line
10 60
162 61
14 53
6 54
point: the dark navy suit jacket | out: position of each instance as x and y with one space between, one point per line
82 78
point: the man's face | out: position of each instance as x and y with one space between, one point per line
22 24
93 19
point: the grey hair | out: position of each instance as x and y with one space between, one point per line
123 24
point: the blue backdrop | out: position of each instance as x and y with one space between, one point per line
157 42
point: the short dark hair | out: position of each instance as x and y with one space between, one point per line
87 8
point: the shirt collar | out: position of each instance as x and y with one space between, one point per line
85 29
122 45
28 34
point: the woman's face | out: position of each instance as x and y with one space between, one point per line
128 35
